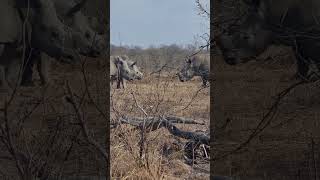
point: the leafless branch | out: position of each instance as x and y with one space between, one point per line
266 120
71 100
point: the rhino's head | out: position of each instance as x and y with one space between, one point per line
49 33
86 40
243 42
187 72
136 70
133 67
124 69
86 37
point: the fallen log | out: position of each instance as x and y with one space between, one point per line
154 123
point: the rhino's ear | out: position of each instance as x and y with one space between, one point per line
118 60
76 8
134 63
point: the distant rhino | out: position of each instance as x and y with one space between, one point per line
83 38
287 22
198 65
119 70
43 31
137 74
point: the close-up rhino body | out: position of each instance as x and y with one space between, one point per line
289 22
87 40
42 30
83 39
198 65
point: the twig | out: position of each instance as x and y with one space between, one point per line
266 120
70 99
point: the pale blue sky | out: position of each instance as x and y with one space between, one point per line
156 22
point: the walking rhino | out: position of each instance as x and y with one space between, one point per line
84 39
26 26
287 22
198 65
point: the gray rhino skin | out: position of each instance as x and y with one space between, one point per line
288 22
198 65
137 74
43 31
88 40
119 69
84 39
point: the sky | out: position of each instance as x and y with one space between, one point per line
156 22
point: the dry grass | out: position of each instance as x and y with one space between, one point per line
162 157
49 122
283 150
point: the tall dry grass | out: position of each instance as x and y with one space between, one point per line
162 157
288 147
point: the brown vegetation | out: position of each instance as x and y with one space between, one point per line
287 145
158 154
55 131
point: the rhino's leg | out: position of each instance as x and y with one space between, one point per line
124 83
302 67
318 68
204 82
2 70
302 63
26 79
118 84
12 72
43 69
3 82
111 82
1 49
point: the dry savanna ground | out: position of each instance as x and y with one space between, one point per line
287 147
161 156
44 127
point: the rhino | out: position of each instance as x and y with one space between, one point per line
91 41
137 74
119 70
84 39
197 65
43 31
289 22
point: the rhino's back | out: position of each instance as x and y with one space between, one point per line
10 30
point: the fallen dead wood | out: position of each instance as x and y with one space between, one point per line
154 123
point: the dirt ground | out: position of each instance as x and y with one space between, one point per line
288 146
